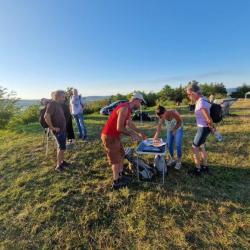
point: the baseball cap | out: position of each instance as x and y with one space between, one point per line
138 95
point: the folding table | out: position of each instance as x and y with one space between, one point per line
145 149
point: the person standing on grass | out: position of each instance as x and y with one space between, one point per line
120 123
174 126
205 127
55 118
77 107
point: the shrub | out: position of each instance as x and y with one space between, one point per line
8 106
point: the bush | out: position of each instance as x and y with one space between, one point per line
29 115
93 107
8 106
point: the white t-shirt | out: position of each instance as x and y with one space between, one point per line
76 103
200 119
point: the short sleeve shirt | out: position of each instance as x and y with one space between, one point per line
76 103
202 103
56 113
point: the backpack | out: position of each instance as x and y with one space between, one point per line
160 164
145 171
42 119
216 112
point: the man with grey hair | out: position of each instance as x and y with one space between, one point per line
55 118
205 127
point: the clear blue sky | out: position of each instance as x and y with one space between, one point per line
107 46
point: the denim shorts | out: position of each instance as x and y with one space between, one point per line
61 140
201 136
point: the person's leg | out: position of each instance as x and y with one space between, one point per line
116 171
78 125
70 130
196 155
178 142
170 141
82 125
85 135
203 154
60 157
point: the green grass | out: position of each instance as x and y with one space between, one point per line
76 209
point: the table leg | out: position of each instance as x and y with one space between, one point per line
163 177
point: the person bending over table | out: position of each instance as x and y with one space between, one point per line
120 123
174 125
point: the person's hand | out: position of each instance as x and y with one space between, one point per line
56 129
143 136
135 137
156 139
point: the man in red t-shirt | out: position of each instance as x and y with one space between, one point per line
120 122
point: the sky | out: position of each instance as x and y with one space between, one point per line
103 47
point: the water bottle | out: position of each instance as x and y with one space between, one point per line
218 136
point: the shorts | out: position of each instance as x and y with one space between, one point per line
61 140
201 136
114 149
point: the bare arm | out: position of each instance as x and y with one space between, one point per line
132 126
207 117
47 118
158 130
177 117
122 114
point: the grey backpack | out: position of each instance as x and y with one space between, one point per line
145 171
160 164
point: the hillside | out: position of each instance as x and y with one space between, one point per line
76 209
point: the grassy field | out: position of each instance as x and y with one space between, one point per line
76 209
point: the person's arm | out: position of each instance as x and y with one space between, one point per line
122 114
132 126
158 130
177 117
207 117
47 118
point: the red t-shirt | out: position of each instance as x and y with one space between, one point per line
110 128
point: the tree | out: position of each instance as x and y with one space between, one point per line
167 93
213 89
241 91
7 106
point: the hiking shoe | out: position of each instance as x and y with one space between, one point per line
177 166
205 169
59 168
125 179
118 184
195 171
65 164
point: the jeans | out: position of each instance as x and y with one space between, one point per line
177 139
81 126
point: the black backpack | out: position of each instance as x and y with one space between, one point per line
42 119
215 112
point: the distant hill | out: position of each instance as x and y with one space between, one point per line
23 103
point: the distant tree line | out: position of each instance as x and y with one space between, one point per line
10 114
241 91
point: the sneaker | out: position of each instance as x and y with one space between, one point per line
118 184
205 169
171 163
65 164
59 168
177 166
195 171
